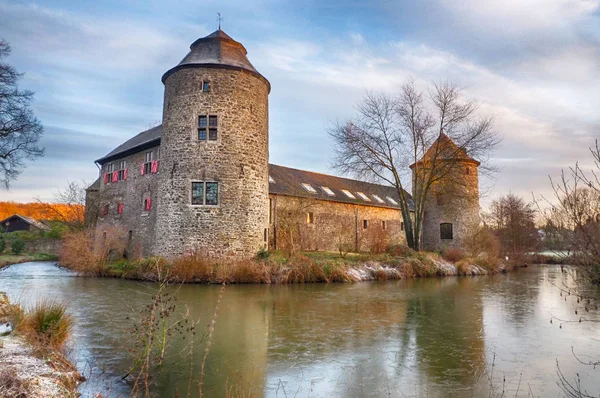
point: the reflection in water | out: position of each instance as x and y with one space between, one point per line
430 337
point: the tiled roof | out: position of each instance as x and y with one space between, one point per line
216 50
288 181
446 149
28 220
145 139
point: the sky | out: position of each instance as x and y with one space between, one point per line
95 68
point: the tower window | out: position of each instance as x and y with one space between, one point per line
205 193
446 231
207 127
365 224
467 171
105 210
205 86
383 225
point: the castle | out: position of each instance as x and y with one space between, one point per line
201 181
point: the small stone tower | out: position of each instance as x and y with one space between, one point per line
213 192
452 206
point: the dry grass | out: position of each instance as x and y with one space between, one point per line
12 386
453 254
83 253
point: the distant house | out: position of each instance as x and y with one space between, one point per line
17 222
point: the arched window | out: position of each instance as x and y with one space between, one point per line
446 231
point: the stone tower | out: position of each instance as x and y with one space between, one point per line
213 191
452 206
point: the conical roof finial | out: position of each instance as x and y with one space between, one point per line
219 19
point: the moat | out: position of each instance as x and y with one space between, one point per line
435 337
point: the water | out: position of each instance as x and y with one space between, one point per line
433 337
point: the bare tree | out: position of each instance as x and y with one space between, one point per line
20 130
513 221
68 207
391 133
575 212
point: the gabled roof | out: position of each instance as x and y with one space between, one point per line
288 181
28 220
145 139
217 50
446 149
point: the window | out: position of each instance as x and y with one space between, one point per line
377 198
266 234
122 175
205 193
446 231
348 194
392 201
271 180
147 204
207 127
212 131
363 196
205 86
270 211
467 171
328 191
310 218
365 224
105 210
120 208
147 165
109 175
383 225
309 188
402 225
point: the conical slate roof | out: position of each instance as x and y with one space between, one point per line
217 50
446 149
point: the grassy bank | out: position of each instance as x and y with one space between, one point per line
8 259
305 267
32 363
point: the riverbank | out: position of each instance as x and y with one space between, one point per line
305 267
9 259
28 369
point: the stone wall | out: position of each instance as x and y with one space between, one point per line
332 224
131 192
43 245
454 200
237 160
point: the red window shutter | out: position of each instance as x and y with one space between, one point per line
105 178
125 174
115 176
154 167
149 203
142 171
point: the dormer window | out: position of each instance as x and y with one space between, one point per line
308 188
328 191
205 86
363 196
271 180
348 194
392 201
377 198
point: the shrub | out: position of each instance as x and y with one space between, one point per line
481 240
400 250
82 253
50 322
17 246
453 254
263 253
2 245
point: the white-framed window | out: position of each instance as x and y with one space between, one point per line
205 86
205 193
392 201
308 187
363 196
147 167
378 199
271 180
348 194
328 191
